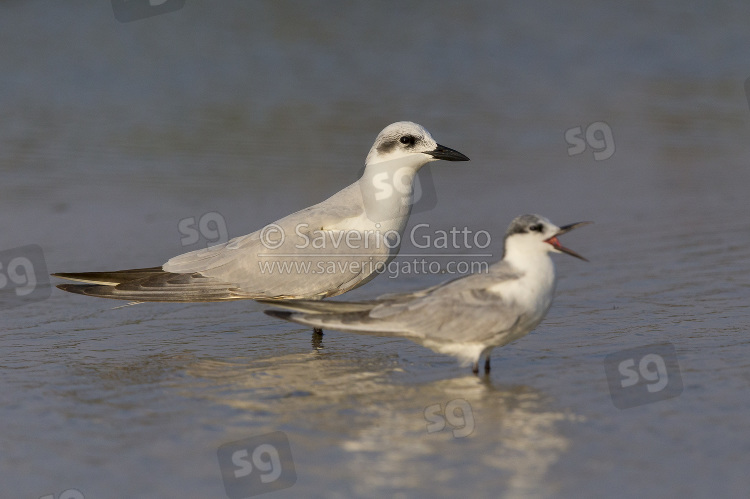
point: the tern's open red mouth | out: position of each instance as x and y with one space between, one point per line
555 242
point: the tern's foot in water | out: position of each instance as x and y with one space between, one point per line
317 338
475 367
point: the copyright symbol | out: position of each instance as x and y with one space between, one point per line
269 238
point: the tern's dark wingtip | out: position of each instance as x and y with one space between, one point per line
279 314
78 289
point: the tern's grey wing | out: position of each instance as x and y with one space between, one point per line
471 315
466 287
242 268
304 255
287 272
392 302
464 309
497 274
342 307
468 317
345 204
408 295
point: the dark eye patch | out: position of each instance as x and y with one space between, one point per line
407 140
537 228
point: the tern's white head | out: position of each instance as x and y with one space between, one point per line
404 138
533 235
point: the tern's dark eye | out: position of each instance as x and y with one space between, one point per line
537 228
407 140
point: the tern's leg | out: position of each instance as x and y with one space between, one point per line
487 364
475 367
317 338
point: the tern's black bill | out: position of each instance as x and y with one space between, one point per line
556 242
446 153
568 228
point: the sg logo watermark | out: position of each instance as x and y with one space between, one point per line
457 413
642 375
133 10
23 276
66 494
211 226
257 465
598 136
391 190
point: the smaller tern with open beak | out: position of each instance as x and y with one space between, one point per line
466 317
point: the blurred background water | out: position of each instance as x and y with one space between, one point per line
112 133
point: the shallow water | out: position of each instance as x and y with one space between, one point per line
114 133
